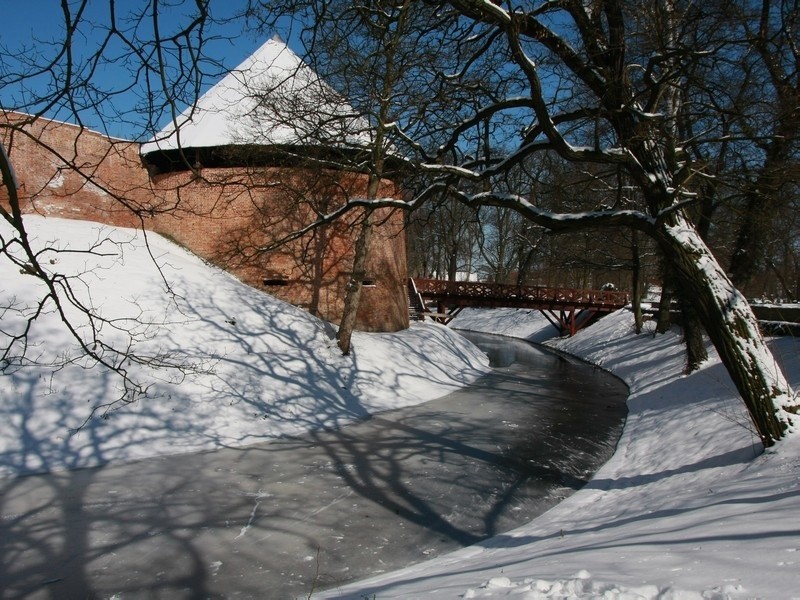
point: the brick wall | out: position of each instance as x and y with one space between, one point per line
229 216
68 171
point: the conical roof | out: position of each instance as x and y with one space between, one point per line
272 98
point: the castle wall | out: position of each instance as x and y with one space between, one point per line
229 216
71 172
232 217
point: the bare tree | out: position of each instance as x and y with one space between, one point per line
385 59
112 343
442 240
598 83
363 42
772 59
738 118
573 72
62 78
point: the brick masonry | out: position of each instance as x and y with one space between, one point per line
232 217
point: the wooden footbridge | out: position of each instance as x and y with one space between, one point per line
567 309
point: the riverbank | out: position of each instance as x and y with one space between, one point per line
283 518
687 508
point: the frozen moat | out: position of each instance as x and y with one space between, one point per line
283 519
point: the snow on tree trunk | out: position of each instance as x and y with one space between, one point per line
733 329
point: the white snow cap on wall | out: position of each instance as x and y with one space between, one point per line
272 98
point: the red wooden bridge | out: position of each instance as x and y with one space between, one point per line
567 309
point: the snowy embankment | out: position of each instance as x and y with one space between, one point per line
255 367
687 508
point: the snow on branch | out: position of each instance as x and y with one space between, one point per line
559 222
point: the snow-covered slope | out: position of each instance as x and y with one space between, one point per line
262 368
686 508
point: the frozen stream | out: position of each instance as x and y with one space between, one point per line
280 520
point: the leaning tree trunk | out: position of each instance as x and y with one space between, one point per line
733 329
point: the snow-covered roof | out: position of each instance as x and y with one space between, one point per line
272 98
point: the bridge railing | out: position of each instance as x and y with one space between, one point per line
465 290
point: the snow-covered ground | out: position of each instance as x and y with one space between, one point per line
687 507
262 368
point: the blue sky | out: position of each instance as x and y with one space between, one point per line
28 28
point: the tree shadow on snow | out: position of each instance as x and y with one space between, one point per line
278 509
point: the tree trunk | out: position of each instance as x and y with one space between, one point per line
452 263
692 326
732 327
318 269
636 284
664 317
354 286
